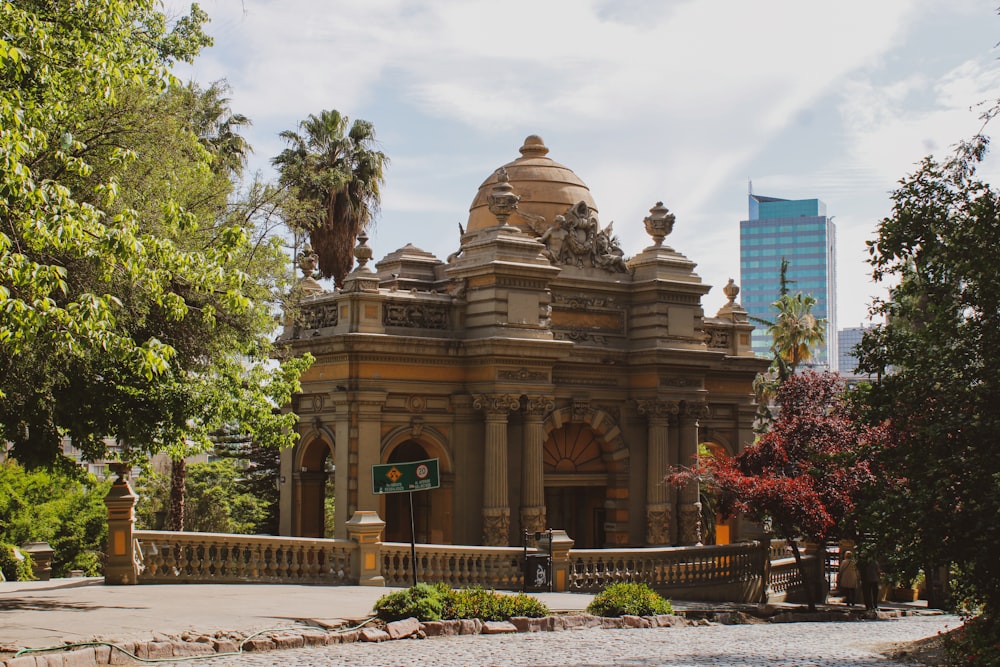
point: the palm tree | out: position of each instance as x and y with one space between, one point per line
335 175
796 331
218 127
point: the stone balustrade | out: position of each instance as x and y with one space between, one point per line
734 572
743 572
455 565
168 557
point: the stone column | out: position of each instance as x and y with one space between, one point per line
532 466
496 507
689 505
659 508
366 445
122 566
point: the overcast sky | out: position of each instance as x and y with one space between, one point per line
646 100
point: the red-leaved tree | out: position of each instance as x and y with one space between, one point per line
804 475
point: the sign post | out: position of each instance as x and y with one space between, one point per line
407 478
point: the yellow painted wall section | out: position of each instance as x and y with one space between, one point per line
644 381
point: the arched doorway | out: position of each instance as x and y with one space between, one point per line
314 489
576 481
431 509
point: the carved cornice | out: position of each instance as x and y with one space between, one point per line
581 381
522 375
496 403
580 336
588 303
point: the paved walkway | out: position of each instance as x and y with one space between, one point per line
48 613
45 613
765 645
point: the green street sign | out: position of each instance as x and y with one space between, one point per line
403 477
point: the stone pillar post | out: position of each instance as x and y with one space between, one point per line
496 498
122 566
558 548
659 508
532 466
365 528
689 510
366 446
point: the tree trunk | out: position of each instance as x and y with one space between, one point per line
807 583
178 476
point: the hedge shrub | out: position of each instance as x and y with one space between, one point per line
435 602
629 599
14 568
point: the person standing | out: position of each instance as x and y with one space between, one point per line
847 579
871 576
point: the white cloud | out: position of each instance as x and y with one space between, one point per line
646 100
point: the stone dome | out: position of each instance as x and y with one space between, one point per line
546 188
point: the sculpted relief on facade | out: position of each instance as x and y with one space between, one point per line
576 239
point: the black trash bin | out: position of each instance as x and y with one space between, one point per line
537 573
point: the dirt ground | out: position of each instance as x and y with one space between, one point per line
928 651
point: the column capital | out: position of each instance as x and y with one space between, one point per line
697 409
496 404
658 408
539 406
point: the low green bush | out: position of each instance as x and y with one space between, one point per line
629 599
428 602
477 602
14 568
423 602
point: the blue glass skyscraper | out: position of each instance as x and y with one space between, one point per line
800 231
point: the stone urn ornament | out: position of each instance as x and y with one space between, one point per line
659 223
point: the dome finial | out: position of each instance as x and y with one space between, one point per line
534 147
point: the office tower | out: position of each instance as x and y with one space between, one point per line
800 231
848 339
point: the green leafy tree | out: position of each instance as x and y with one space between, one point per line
216 500
64 509
937 357
335 176
136 297
259 475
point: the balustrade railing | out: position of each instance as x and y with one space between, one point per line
593 569
457 566
168 557
746 572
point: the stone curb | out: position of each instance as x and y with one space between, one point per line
191 645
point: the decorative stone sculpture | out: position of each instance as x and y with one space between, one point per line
576 239
659 223
362 252
502 200
308 261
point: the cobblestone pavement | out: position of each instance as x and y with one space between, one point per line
849 644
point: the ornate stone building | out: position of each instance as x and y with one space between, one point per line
555 380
